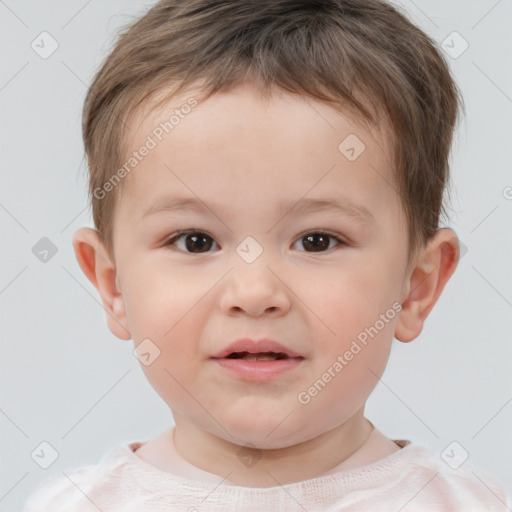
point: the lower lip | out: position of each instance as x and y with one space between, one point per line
259 370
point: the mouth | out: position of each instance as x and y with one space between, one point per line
257 361
260 356
258 366
261 350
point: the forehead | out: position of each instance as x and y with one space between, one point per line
246 106
283 142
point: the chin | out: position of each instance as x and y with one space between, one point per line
264 433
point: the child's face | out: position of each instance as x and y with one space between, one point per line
245 162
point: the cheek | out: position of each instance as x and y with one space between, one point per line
157 301
353 298
172 322
358 320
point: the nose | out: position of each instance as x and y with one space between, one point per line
256 290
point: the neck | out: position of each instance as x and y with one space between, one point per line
253 467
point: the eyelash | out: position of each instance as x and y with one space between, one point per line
174 238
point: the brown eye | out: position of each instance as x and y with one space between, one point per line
194 241
318 241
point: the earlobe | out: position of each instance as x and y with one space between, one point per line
434 267
97 266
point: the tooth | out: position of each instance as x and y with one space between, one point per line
259 357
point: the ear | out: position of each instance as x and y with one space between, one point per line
431 271
96 264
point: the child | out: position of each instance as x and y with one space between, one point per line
303 146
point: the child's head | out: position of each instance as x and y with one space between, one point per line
249 110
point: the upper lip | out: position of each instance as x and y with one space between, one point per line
255 347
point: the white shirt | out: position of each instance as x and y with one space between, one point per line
409 480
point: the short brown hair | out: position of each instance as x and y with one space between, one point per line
360 54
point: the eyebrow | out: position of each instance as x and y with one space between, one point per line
340 206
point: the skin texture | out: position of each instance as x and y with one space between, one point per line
242 156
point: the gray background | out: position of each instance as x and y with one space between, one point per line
66 380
